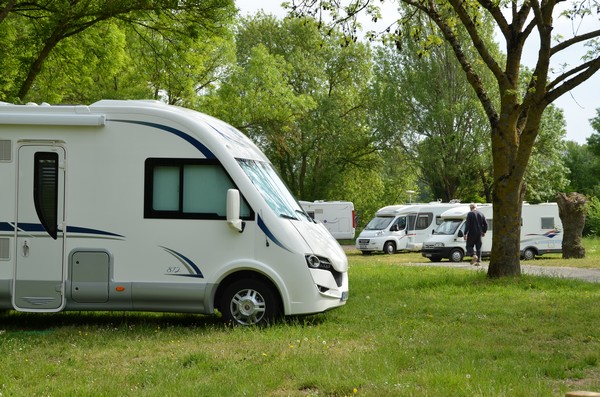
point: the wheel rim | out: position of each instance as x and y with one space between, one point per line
456 256
248 307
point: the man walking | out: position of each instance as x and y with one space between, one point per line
475 228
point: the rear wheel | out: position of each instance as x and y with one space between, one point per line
456 255
528 254
250 302
389 247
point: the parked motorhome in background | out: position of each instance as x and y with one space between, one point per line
337 216
138 205
541 232
401 227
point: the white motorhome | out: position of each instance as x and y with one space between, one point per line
541 233
337 216
138 205
401 227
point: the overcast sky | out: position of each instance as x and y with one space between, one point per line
579 105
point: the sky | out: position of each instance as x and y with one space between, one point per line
578 106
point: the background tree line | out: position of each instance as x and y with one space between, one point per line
339 119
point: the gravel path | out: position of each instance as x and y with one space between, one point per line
590 275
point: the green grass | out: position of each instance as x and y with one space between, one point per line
406 331
591 261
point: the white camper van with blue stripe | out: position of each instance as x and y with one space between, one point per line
138 205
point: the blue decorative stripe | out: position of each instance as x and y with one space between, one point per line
269 234
31 227
38 228
85 230
191 266
6 227
197 144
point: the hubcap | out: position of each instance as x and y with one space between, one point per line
248 307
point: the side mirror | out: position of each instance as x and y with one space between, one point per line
394 228
233 210
432 231
460 233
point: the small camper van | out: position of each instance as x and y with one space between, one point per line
138 205
336 216
541 233
401 227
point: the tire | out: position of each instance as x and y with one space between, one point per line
528 254
389 247
456 255
250 302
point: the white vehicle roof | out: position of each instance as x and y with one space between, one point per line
462 211
392 210
98 113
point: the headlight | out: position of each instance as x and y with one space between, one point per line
439 245
318 262
379 233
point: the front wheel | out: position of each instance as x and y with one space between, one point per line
389 247
250 302
456 255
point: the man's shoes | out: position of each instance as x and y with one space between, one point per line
477 263
474 260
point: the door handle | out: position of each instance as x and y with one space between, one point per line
26 248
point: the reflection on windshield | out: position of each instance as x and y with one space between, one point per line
379 223
448 227
272 189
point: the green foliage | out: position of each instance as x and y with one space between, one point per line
295 92
547 173
592 220
48 44
426 105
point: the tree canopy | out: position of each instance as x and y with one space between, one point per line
515 119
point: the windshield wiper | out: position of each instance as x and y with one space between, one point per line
286 216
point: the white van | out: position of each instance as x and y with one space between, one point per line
401 227
540 233
336 216
138 205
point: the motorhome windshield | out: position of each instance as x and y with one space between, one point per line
272 189
379 223
449 226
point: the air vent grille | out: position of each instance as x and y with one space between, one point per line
4 249
5 150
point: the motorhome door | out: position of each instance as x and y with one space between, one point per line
39 272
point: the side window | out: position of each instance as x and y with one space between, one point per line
420 221
45 190
188 189
548 223
401 222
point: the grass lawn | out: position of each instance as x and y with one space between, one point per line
406 331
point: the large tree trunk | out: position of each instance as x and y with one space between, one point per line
572 210
505 259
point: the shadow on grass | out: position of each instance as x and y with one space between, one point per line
14 321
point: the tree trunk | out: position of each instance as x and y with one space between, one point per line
505 259
572 210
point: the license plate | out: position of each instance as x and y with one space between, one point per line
362 246
344 296
427 255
